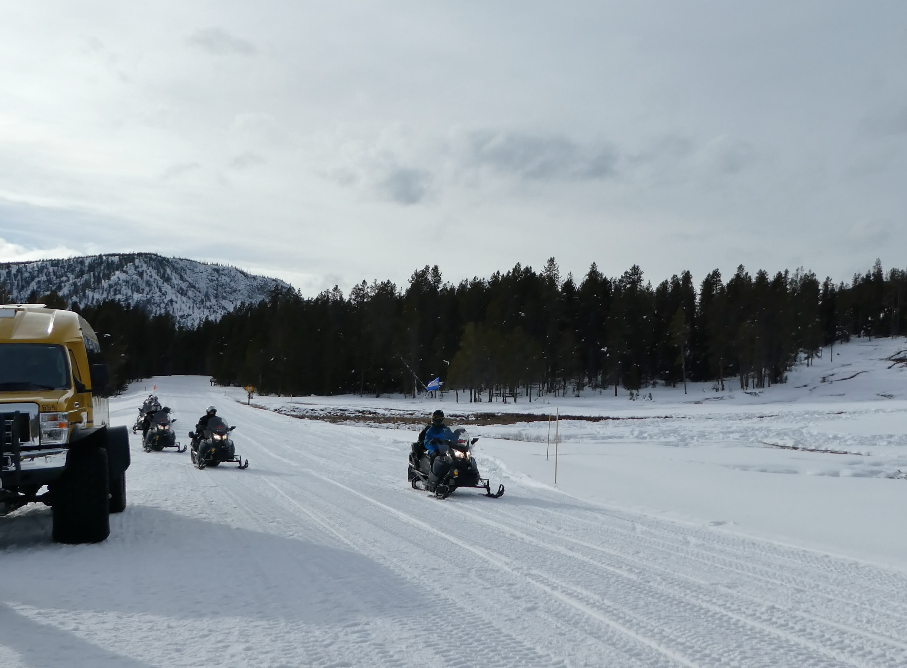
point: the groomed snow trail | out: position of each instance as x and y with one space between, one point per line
321 555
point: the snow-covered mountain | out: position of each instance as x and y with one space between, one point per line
190 290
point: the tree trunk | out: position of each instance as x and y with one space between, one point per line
683 366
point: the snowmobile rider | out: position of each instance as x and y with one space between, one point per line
151 404
436 435
202 426
149 408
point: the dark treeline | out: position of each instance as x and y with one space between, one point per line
517 334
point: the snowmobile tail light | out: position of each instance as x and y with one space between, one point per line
54 428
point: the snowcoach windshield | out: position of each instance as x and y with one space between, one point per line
33 366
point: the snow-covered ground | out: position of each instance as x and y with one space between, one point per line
678 534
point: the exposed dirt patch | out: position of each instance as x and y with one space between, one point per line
828 452
420 418
898 359
829 379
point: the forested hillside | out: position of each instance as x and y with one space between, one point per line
190 291
516 334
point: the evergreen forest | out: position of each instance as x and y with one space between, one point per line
514 336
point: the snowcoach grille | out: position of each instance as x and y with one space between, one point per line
10 449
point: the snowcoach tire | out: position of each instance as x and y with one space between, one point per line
118 493
81 501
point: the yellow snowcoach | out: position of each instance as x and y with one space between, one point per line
53 427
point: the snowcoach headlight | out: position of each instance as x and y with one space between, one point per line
54 428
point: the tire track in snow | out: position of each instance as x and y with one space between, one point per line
882 618
503 645
749 612
414 545
714 551
500 562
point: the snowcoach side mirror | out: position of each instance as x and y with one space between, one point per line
100 378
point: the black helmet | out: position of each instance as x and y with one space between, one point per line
211 409
437 418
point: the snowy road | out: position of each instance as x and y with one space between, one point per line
320 555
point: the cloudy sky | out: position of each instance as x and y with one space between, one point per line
330 142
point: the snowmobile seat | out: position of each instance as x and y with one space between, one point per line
419 445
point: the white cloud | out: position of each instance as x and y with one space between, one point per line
179 169
247 160
219 42
10 252
538 157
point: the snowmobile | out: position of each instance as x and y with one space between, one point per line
214 446
160 433
457 468
149 407
139 422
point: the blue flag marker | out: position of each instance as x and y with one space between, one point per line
434 385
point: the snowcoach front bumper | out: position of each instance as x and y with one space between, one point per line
23 464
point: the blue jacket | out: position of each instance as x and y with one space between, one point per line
441 433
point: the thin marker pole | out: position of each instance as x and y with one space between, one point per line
548 447
557 424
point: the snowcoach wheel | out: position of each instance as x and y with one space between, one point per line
118 493
81 500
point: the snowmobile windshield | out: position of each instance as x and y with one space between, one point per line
217 426
33 366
